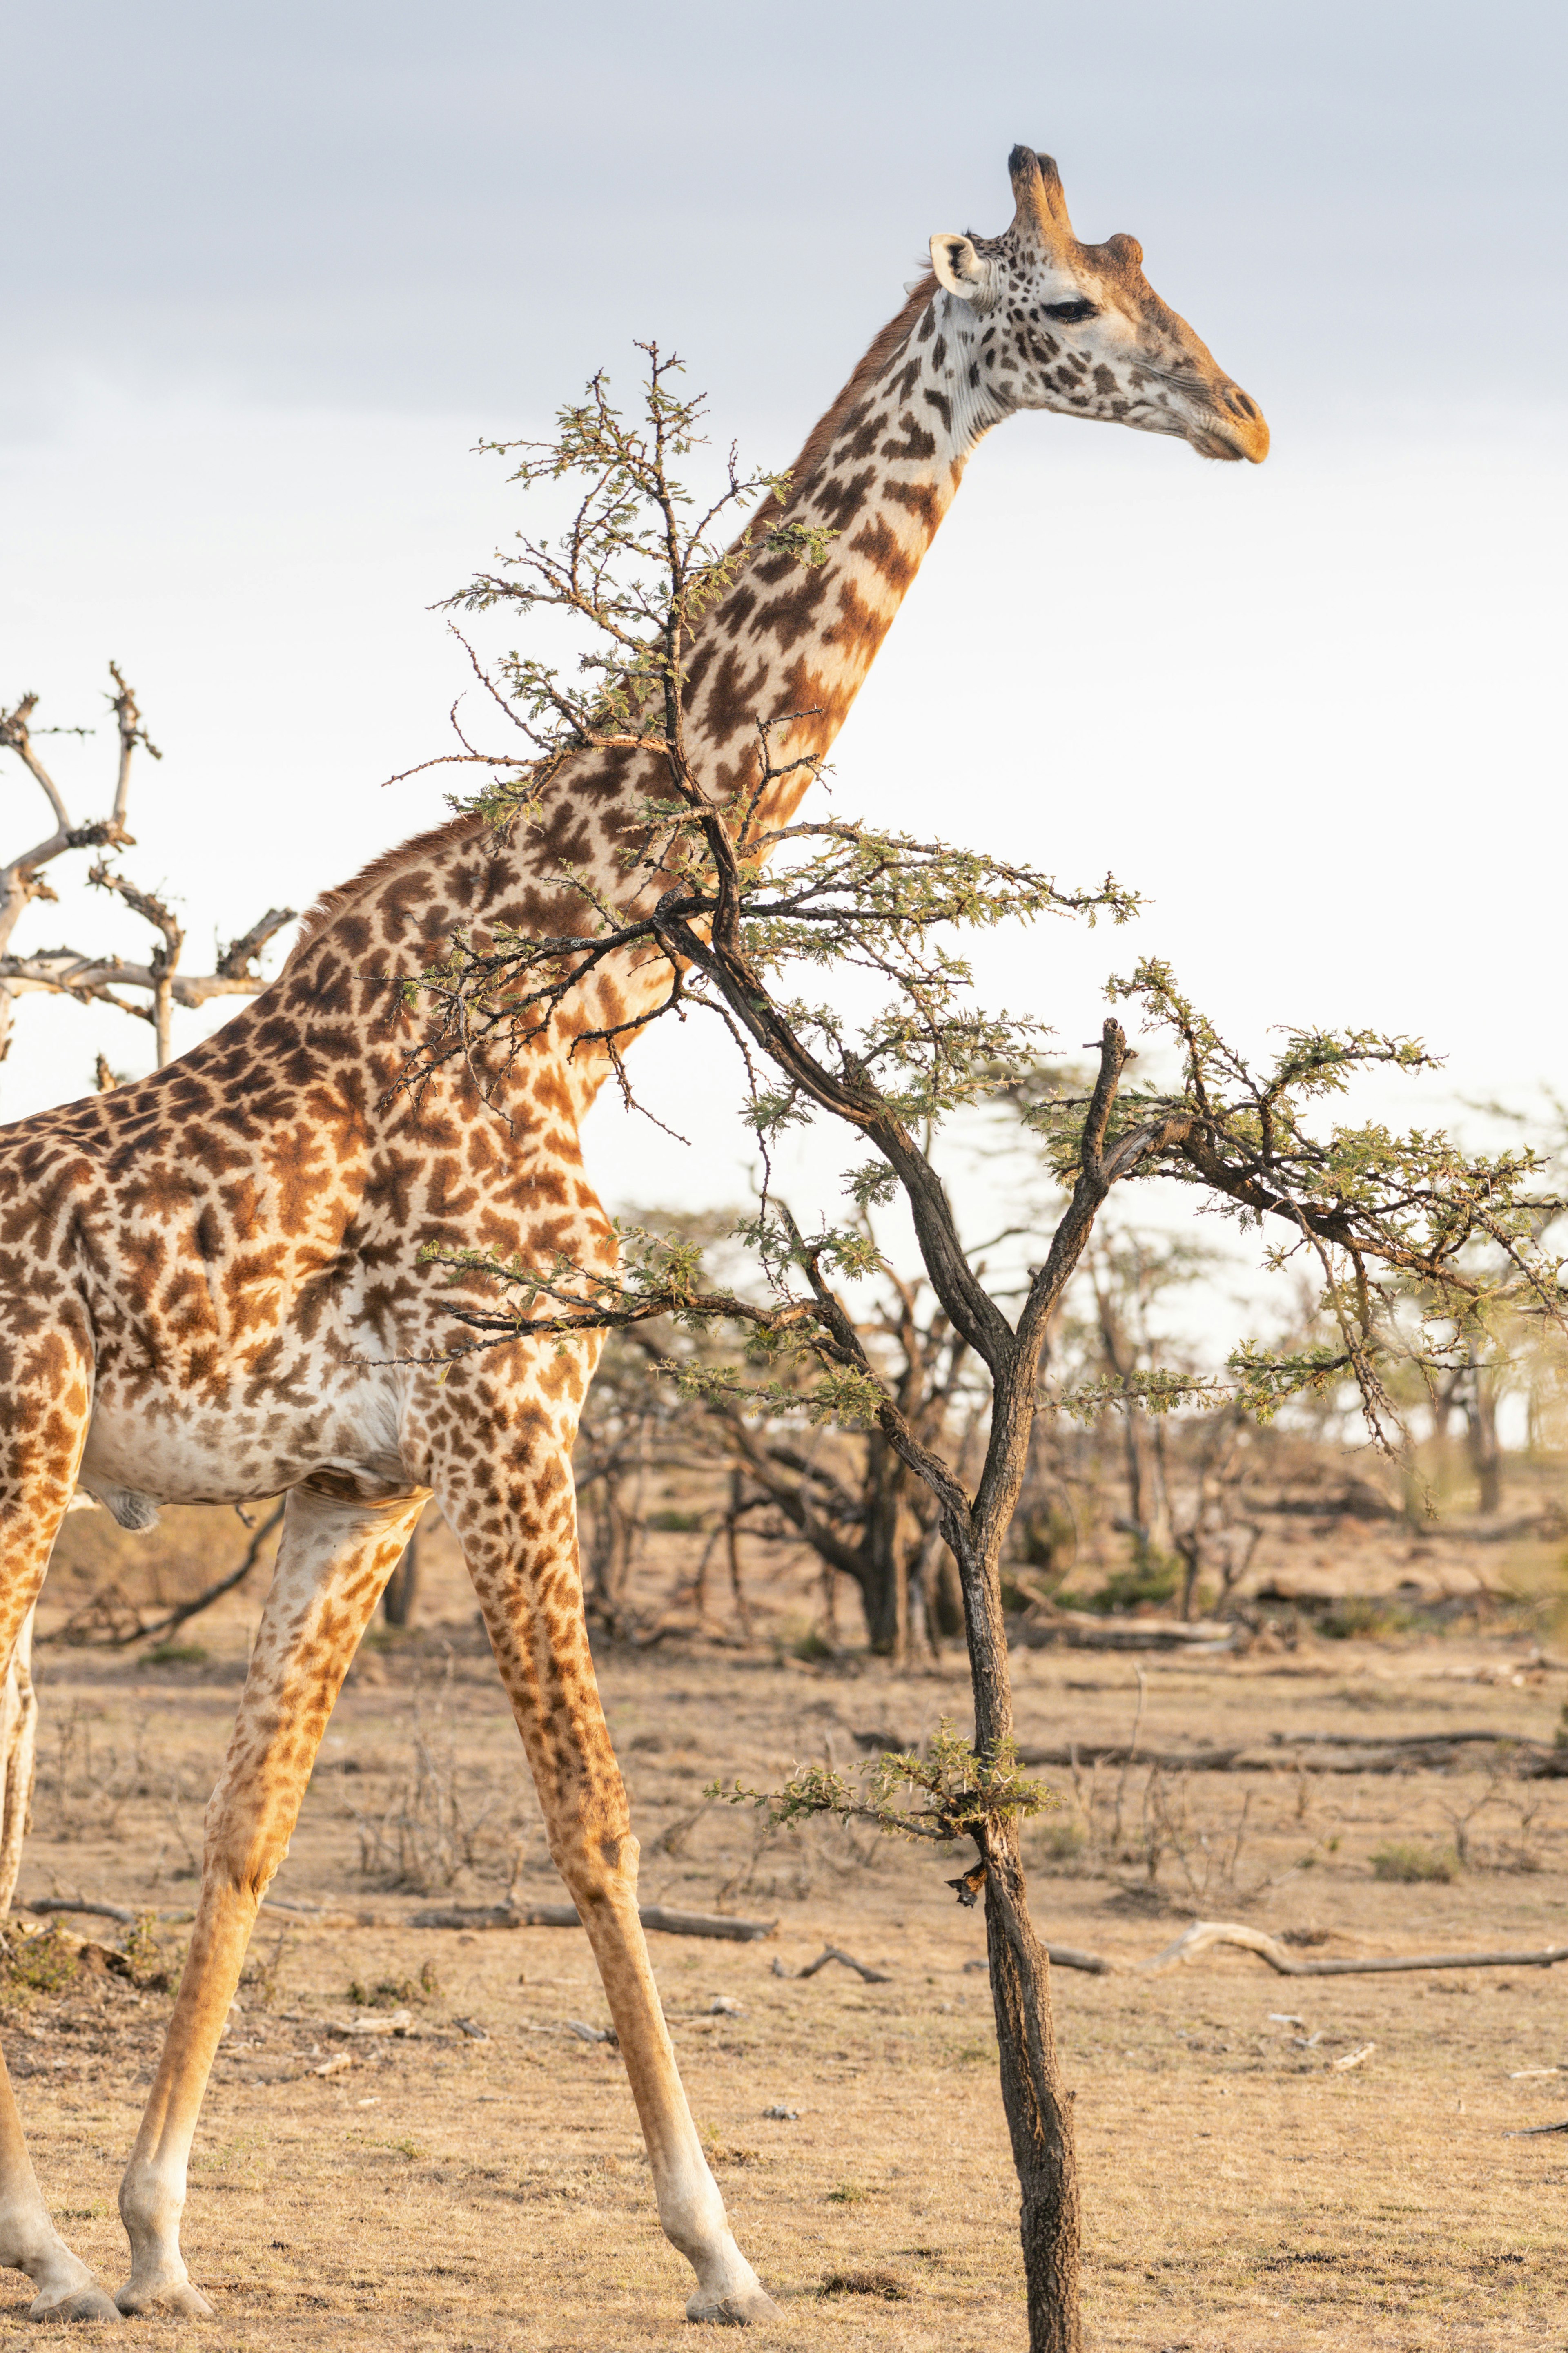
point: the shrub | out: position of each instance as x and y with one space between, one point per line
1061 1838
40 1964
886 2284
1402 1860
1151 1579
1366 1615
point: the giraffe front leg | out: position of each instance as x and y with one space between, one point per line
331 1564
530 1593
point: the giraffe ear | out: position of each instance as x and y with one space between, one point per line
961 270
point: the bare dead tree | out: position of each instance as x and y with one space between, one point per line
148 991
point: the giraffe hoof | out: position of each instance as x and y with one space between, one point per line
85 2303
164 2297
749 2308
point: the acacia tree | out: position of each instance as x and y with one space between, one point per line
840 1494
862 1508
747 918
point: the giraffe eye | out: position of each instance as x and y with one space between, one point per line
1071 313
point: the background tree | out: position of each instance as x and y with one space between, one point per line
842 1494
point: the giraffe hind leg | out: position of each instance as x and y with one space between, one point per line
520 1552
47 1397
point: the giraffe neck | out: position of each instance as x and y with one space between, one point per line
880 470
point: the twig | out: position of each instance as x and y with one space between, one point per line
832 1953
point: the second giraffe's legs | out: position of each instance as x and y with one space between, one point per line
334 1561
521 1553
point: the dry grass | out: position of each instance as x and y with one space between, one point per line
1239 2192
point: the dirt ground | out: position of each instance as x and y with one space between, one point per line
1240 2190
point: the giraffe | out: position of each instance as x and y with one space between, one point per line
211 1286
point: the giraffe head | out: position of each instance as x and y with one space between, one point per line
1079 329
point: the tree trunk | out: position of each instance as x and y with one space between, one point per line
733 1539
884 1580
944 1595
1148 1502
403 1586
1039 2109
18 1742
1480 1427
1148 1506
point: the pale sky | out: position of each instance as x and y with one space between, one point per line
271 274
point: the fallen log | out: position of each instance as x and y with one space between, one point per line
656 1916
1313 1752
1117 1752
1394 1739
1202 1934
704 1924
1066 1956
120 1912
1081 1629
1072 1956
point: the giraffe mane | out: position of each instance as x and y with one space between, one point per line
818 441
390 861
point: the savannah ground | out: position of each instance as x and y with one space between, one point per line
1239 2192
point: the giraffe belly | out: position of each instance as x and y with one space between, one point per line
155 1449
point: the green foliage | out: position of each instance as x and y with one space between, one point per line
144 1962
640 563
1062 1839
33 1965
1353 1617
1402 1861
1151 1578
393 1993
951 1792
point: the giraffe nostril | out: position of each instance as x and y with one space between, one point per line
1241 403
